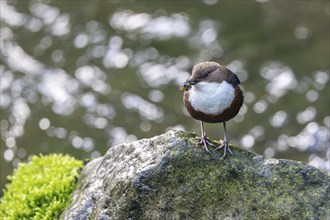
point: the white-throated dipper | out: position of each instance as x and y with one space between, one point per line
212 94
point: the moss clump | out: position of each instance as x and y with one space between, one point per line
40 189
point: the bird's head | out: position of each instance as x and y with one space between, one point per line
205 72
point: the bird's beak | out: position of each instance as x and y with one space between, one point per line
187 85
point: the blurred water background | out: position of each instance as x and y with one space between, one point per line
78 77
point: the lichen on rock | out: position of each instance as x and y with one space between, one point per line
170 177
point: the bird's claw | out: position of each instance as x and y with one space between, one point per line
204 141
226 148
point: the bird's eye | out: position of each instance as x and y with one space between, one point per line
205 74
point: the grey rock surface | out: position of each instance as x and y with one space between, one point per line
171 177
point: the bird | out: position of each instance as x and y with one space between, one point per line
212 94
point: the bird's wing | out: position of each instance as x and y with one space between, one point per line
232 78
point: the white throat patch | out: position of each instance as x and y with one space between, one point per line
211 98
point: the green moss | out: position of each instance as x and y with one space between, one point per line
40 189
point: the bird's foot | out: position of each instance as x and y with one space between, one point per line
204 141
226 149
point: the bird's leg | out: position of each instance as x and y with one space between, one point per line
204 140
225 144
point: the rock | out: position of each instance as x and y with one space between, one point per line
170 177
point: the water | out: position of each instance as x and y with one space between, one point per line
79 77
